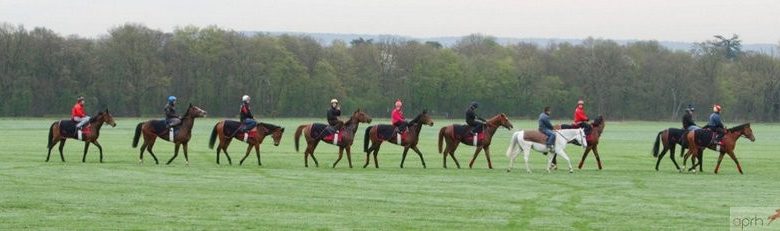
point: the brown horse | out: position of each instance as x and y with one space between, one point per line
410 140
728 144
152 129
56 134
456 134
344 142
262 130
597 127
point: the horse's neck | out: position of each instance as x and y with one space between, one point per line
351 125
187 123
416 129
735 134
97 124
491 128
566 136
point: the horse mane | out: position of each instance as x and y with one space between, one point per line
270 127
739 127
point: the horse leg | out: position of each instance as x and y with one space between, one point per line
549 161
734 157
418 154
175 152
701 160
100 148
403 156
248 149
257 153
349 155
584 156
141 155
452 153
566 157
487 156
376 161
596 153
341 153
186 157
62 144
219 149
368 156
149 148
526 154
671 156
84 157
717 166
476 153
50 147
311 153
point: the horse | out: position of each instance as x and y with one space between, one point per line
226 128
527 140
58 132
597 127
152 129
456 134
408 140
669 139
728 144
343 139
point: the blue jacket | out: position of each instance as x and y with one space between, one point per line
544 122
715 121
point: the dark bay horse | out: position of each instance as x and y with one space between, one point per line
456 134
57 133
345 137
408 141
597 127
152 129
224 129
669 139
728 144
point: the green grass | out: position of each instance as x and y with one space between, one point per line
282 194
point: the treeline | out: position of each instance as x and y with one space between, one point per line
132 69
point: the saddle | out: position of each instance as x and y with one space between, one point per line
233 128
68 129
390 132
319 130
464 135
160 128
704 137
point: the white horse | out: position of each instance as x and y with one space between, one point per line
526 141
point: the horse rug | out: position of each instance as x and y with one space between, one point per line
464 135
159 127
389 132
318 130
68 129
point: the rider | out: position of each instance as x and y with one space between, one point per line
546 127
334 124
397 117
171 118
77 113
247 119
716 125
687 119
472 117
580 118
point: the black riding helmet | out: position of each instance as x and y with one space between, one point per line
690 108
474 104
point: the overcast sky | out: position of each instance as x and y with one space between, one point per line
756 21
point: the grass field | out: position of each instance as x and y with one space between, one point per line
282 194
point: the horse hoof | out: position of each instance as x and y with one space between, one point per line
508 170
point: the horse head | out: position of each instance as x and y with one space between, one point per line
500 120
582 138
195 112
746 131
361 117
424 118
276 134
107 117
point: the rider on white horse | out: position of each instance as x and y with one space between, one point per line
522 141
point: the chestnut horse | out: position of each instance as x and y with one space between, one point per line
181 139
448 133
412 137
263 130
728 144
347 135
597 127
55 134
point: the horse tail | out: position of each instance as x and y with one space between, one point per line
366 138
137 134
657 143
213 136
51 134
297 136
441 137
514 143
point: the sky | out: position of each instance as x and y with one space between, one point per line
755 21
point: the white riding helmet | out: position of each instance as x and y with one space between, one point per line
245 98
334 101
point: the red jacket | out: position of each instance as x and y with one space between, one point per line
579 115
77 111
397 116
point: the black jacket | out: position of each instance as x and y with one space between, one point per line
687 121
333 116
170 111
471 117
246 112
